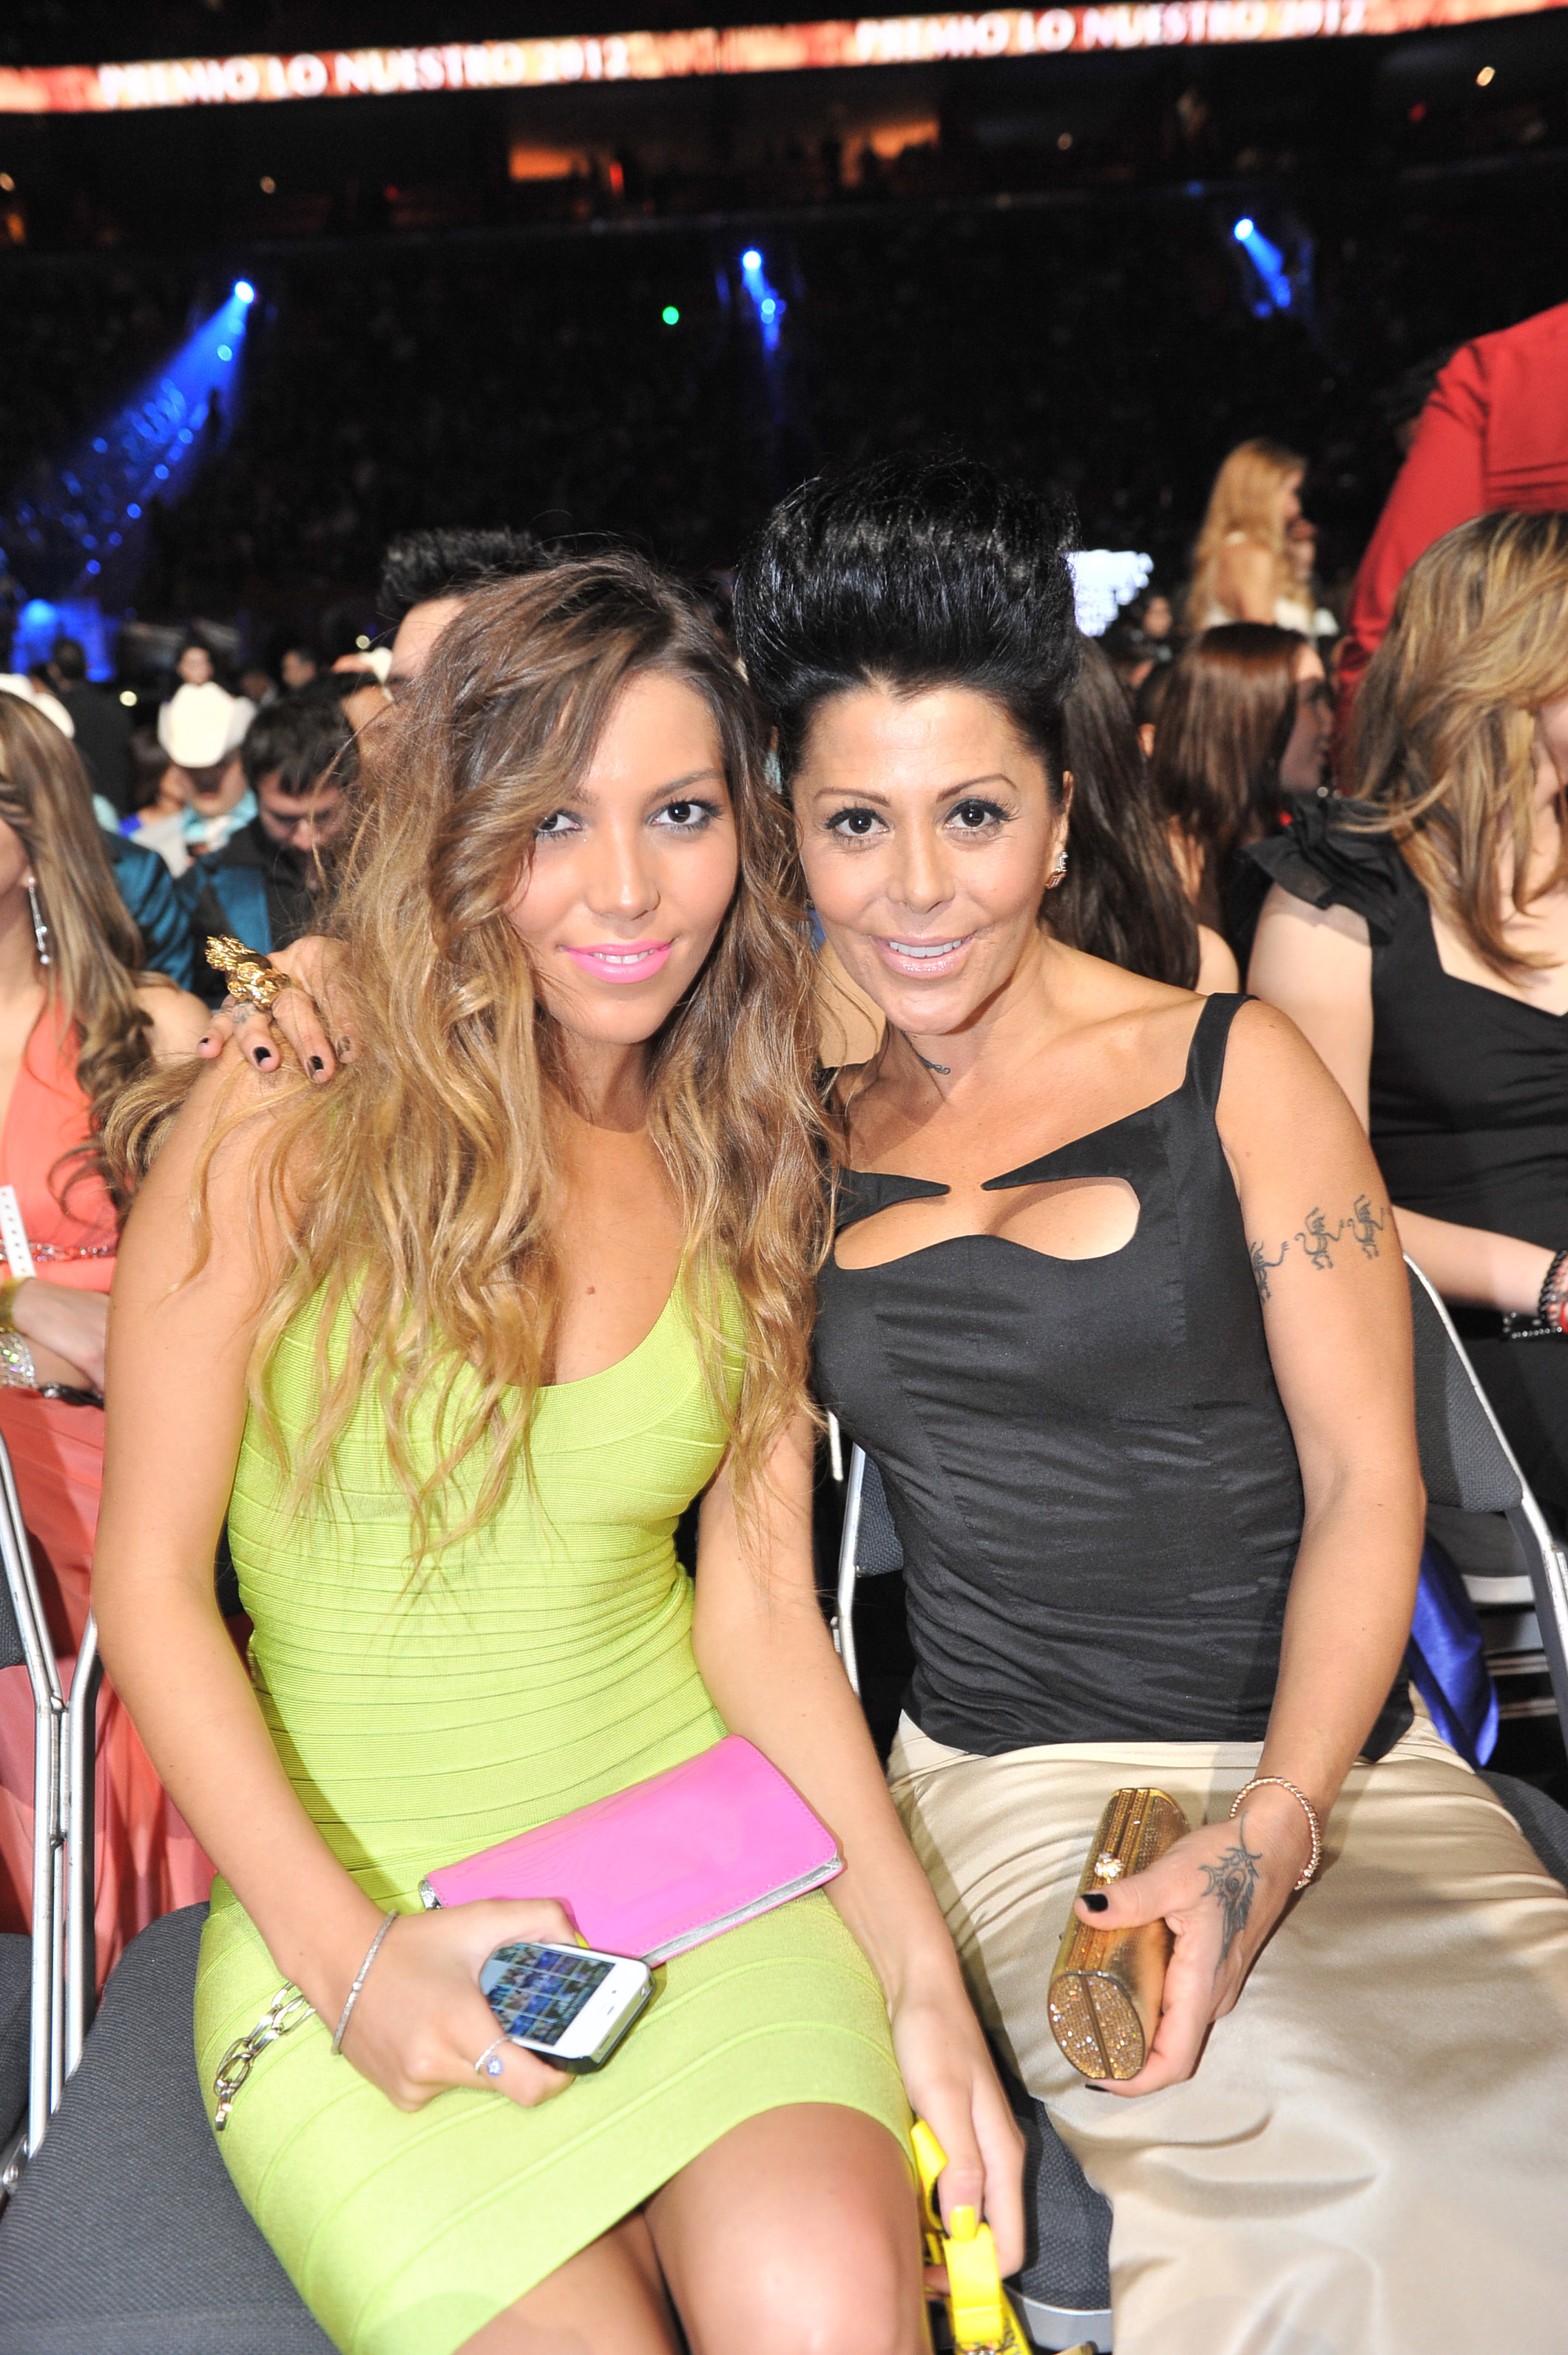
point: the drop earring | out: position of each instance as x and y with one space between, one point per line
40 930
1058 870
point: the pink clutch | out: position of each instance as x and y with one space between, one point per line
667 1863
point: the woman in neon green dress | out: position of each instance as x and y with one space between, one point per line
454 1347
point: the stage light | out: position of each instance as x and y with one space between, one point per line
269 186
769 303
1487 74
128 697
362 643
670 315
1274 280
82 520
8 183
1242 232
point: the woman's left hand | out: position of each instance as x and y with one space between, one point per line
1221 1890
952 2083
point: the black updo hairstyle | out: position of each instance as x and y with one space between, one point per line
912 573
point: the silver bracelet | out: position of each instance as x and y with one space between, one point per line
20 1372
347 2012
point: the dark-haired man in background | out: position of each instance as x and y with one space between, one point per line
267 881
103 729
428 576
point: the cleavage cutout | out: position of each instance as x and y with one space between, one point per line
1059 1218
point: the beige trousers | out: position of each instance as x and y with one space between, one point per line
1372 2157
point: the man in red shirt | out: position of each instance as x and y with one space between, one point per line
1493 434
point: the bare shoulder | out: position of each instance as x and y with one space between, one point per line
1278 1096
179 1019
218 1146
1282 908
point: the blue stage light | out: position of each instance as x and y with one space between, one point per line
85 516
1277 292
769 303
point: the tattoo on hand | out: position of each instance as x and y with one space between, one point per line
1318 1240
1233 1883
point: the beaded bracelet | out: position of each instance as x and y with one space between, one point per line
1311 1813
1551 1305
347 2012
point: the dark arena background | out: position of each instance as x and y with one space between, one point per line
549 305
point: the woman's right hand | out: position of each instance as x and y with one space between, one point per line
299 1021
65 1327
421 2022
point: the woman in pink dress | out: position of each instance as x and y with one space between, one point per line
76 1020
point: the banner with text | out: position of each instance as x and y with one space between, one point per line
741 49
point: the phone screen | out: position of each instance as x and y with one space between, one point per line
537 1991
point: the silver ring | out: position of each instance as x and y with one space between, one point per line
489 2062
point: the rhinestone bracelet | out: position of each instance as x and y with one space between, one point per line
1256 1784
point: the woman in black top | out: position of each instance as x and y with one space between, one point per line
1116 1305
1433 987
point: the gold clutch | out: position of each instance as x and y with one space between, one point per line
1106 1985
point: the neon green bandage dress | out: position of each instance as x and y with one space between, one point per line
543 1665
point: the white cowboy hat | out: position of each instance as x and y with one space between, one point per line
200 725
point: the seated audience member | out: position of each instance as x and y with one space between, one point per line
1493 433
1142 1406
1242 567
1121 896
448 1650
427 577
1419 937
1148 704
78 1020
298 667
269 879
201 728
158 802
257 686
1244 723
101 730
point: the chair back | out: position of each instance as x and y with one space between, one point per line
869 1547
1482 1509
24 1642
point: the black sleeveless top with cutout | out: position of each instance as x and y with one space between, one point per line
1087 1461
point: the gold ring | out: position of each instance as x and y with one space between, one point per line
250 975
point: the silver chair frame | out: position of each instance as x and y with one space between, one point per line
1545 1561
80 1942
46 2071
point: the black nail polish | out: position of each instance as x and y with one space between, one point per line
259 1059
202 1041
1097 1902
316 1064
1096 2089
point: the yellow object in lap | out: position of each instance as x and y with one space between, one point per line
535 1668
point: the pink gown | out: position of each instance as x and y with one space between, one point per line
147 1861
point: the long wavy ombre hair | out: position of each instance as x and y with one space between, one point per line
1243 503
1443 736
417 1194
95 949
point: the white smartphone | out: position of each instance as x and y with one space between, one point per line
568 2004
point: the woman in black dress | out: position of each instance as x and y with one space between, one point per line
1115 1304
1419 941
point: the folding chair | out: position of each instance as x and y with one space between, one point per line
1481 1512
1063 2293
30 2050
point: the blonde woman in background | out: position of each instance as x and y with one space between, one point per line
1420 939
1241 567
79 1019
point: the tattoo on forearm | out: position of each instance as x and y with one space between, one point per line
1233 1883
1317 1241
